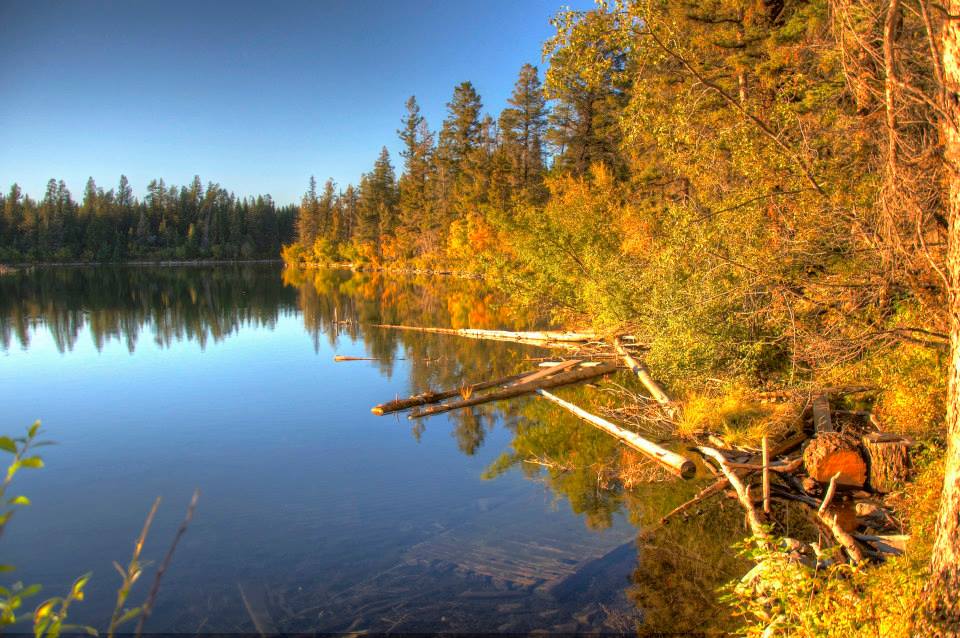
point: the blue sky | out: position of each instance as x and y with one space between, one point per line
256 96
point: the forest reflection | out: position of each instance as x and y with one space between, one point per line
171 304
679 567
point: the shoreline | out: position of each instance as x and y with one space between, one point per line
460 274
8 268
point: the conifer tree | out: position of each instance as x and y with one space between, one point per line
308 217
415 209
523 126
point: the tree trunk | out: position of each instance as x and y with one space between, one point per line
888 461
655 389
428 397
557 380
831 453
821 414
942 610
549 336
677 464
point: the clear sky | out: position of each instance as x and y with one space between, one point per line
256 96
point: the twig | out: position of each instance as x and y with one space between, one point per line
147 608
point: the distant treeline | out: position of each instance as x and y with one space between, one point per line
189 222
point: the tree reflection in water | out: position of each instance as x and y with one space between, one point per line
679 567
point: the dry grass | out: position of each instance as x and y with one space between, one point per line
736 415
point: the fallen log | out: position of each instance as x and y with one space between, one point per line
888 460
754 518
888 544
548 371
765 468
671 460
830 453
717 486
655 389
563 378
426 398
539 337
830 520
790 466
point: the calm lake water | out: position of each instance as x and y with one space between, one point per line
316 515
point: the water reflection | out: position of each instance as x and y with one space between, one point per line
199 304
343 526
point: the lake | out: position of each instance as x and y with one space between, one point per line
316 515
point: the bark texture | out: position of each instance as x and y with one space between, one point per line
942 610
888 460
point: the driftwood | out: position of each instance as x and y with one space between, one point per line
766 476
718 486
548 371
829 519
832 452
426 398
754 518
655 389
547 338
887 543
674 462
888 460
563 378
780 468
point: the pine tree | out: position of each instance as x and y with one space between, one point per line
308 216
523 126
377 207
13 217
459 136
415 208
585 127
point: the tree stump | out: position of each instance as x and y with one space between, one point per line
888 460
832 452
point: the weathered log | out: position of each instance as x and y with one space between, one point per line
564 378
821 414
655 389
831 453
829 519
888 460
886 543
783 468
548 371
674 462
555 338
784 446
766 476
426 398
754 518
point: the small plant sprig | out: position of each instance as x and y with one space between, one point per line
130 575
19 447
11 598
49 616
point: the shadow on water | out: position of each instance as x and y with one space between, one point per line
480 555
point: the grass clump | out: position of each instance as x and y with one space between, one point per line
735 414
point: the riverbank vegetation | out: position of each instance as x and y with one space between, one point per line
759 192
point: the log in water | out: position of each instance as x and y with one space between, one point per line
564 378
671 460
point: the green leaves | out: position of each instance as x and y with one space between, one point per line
7 445
34 462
